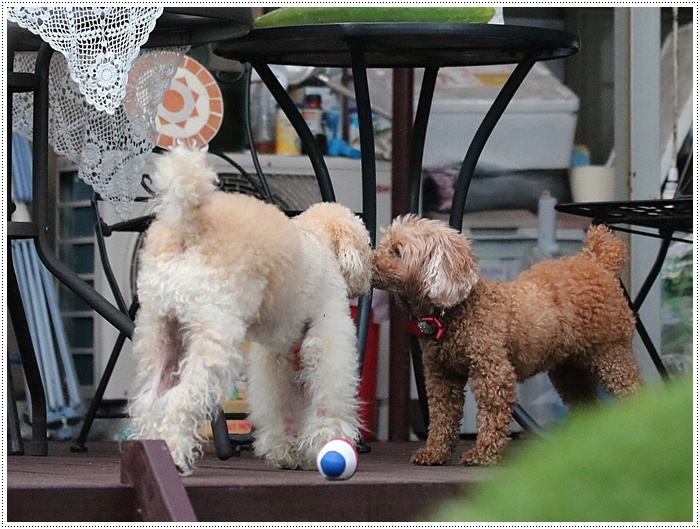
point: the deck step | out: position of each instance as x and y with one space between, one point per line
87 487
159 493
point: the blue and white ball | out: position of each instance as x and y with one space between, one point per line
337 460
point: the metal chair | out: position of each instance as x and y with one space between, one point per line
178 26
660 219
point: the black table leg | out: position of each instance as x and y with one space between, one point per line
639 300
369 182
420 129
419 377
40 204
466 172
646 339
297 120
369 193
651 349
364 118
39 445
482 135
328 195
324 182
653 274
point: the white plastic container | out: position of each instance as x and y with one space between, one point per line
536 130
592 183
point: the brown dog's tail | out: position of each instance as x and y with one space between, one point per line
185 183
606 248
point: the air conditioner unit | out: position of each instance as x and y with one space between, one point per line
292 183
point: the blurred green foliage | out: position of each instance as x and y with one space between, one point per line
628 461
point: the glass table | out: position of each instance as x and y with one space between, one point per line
429 46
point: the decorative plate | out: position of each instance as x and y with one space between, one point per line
192 109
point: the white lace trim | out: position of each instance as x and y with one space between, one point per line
100 44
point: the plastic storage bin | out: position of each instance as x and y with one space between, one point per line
535 132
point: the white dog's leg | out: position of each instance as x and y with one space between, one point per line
275 402
330 375
205 377
157 348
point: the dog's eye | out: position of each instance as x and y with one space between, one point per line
396 251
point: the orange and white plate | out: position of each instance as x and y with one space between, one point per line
192 108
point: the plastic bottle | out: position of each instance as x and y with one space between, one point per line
264 118
313 115
287 140
264 112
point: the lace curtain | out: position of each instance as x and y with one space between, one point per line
111 151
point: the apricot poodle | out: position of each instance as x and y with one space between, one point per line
567 317
221 268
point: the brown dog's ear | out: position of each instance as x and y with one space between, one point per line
451 270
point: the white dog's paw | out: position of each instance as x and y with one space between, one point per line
285 461
283 452
184 451
184 470
316 435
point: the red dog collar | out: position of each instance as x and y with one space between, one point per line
428 327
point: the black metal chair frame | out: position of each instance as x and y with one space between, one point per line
665 217
178 26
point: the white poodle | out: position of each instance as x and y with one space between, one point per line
218 268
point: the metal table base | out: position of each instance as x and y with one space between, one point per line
430 46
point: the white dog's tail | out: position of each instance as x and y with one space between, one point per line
185 182
606 248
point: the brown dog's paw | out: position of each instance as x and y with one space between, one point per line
430 457
478 458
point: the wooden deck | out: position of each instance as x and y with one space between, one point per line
69 487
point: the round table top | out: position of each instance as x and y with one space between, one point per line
670 214
193 26
396 45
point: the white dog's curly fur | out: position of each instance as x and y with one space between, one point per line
218 268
